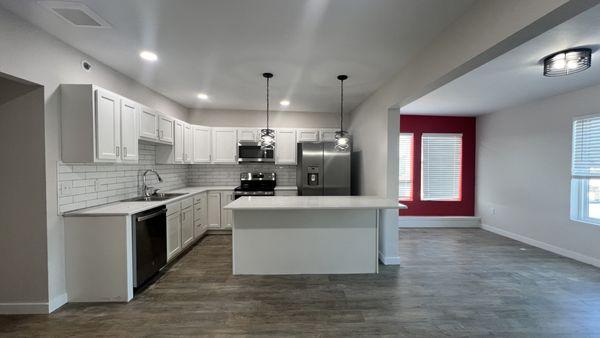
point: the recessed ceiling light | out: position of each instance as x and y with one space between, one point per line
203 96
284 103
148 56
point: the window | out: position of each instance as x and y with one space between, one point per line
406 167
441 165
585 170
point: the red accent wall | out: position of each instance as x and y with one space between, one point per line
418 125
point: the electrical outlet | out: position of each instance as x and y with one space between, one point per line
493 211
66 188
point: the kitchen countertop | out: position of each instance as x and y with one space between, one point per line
314 202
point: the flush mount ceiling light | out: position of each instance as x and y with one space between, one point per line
267 135
568 62
148 56
342 138
203 96
285 103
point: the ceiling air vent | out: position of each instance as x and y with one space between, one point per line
75 13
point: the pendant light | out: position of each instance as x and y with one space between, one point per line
342 138
267 135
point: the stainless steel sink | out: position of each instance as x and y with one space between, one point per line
152 198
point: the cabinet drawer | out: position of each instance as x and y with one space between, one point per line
199 198
198 210
187 203
173 208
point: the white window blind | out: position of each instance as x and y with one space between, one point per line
441 160
406 163
586 147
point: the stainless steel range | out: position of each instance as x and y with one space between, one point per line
256 184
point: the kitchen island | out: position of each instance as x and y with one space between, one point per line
307 234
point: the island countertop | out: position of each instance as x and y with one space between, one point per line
313 202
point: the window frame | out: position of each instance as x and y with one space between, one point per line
411 196
460 175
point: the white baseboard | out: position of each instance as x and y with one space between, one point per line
439 222
23 308
57 302
392 260
543 245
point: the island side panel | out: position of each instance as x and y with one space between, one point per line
275 242
99 259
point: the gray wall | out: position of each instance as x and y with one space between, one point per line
34 55
523 172
23 198
257 118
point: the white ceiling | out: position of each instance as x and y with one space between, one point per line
516 77
222 47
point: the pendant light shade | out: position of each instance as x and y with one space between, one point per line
267 135
342 138
568 62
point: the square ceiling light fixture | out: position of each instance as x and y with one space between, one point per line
568 62
75 13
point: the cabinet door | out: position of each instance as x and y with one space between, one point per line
307 135
173 234
148 124
200 215
248 134
285 146
179 143
224 144
187 226
201 141
108 126
226 215
165 129
328 134
129 131
214 210
188 148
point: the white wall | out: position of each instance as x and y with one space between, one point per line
257 118
34 55
23 199
523 172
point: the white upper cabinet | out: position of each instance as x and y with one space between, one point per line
285 146
328 134
224 145
307 135
148 124
188 146
165 129
179 142
108 121
248 134
129 131
202 146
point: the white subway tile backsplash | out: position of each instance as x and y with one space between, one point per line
101 183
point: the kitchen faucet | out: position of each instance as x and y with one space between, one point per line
145 187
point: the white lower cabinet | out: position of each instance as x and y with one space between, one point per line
200 215
173 230
187 226
226 215
214 210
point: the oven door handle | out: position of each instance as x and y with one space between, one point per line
146 217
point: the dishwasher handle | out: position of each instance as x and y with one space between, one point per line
145 217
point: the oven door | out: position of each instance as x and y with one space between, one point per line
250 152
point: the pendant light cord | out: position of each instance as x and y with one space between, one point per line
267 105
342 108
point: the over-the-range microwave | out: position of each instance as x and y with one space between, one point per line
251 152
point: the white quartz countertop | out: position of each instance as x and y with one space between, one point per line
313 202
130 208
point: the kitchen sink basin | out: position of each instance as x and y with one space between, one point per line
153 198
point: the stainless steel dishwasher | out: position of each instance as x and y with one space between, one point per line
149 244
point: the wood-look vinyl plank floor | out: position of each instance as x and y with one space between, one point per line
451 282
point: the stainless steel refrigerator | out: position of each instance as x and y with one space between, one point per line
323 170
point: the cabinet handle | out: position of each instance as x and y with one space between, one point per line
162 134
183 216
117 150
125 151
209 157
